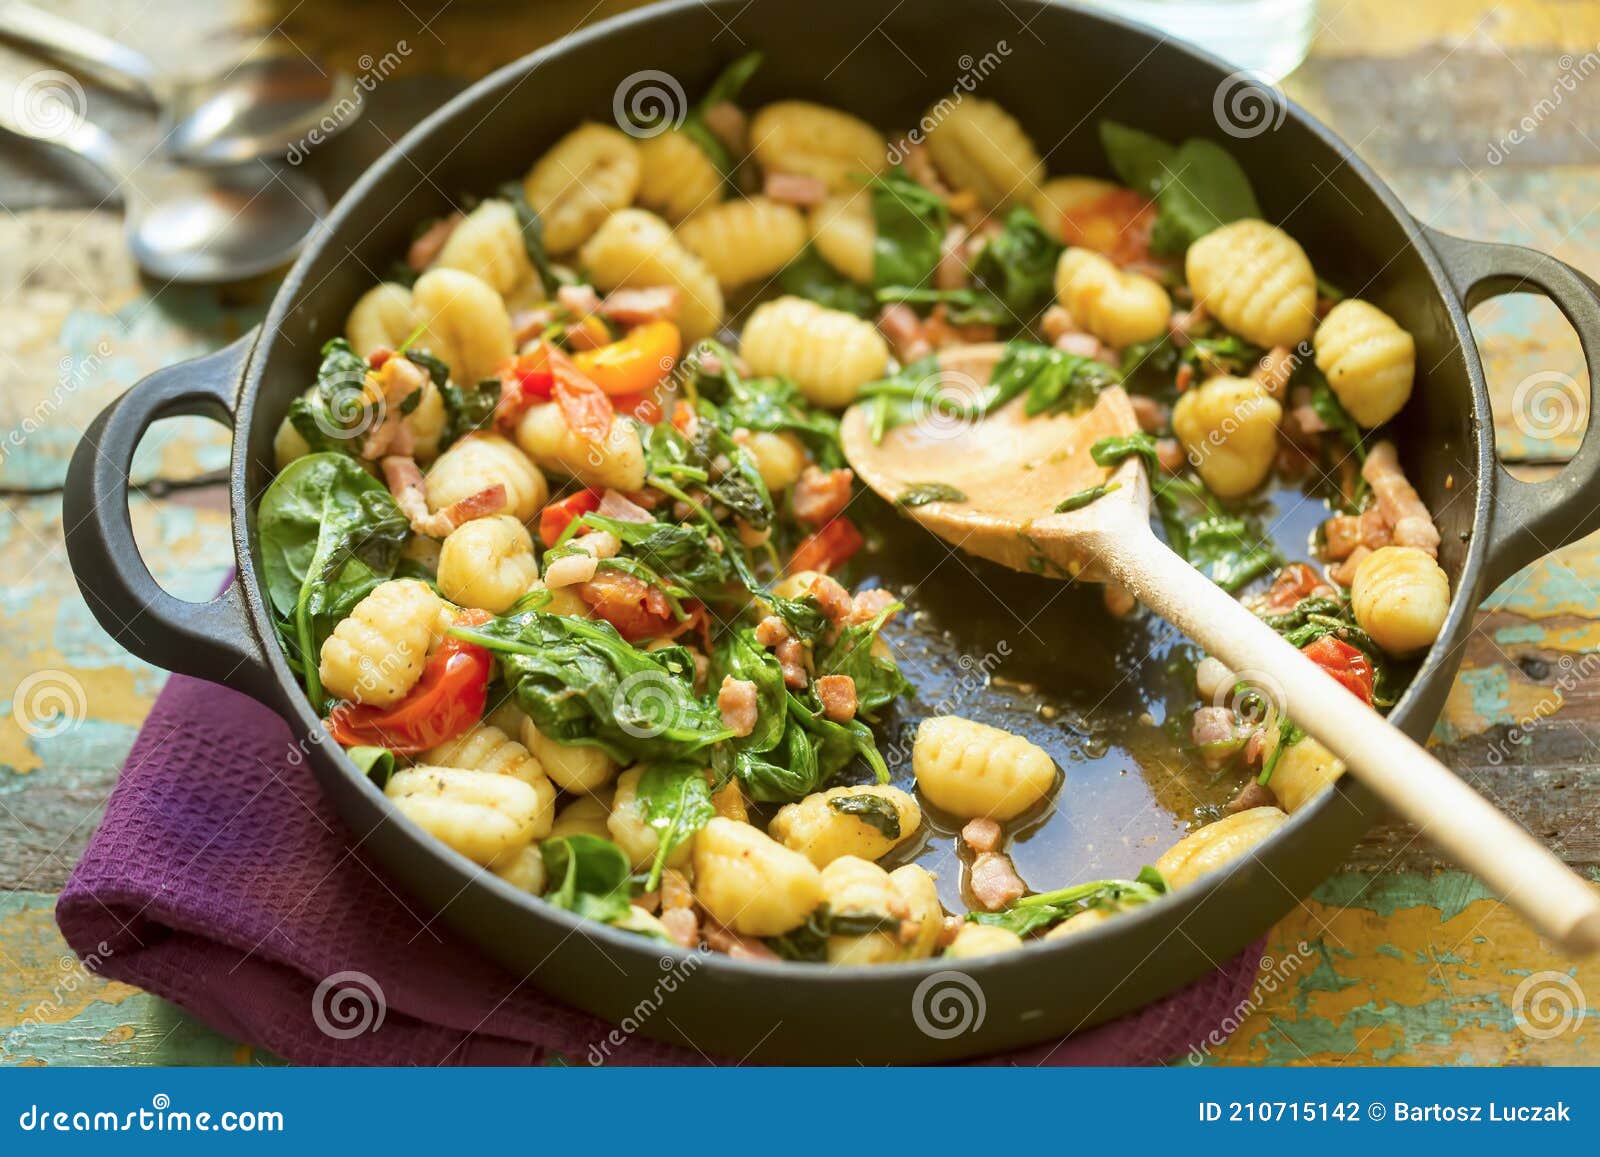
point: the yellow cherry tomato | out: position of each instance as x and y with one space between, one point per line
635 363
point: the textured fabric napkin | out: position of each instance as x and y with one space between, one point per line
221 880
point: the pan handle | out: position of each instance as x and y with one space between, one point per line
209 640
1530 519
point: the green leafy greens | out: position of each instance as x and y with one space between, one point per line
1044 909
1197 186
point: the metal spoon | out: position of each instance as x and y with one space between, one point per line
261 108
195 225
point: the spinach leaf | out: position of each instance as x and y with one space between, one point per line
329 534
837 744
773 405
583 684
588 876
911 223
1043 909
677 804
335 413
809 276
1139 160
726 87
1084 497
680 551
468 409
739 656
803 616
1055 381
964 306
1327 406
791 774
1017 266
532 237
710 457
872 810
809 942
877 679
1204 189
376 763
922 493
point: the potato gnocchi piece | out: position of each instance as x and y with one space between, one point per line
563 601
829 354
382 319
1401 597
970 769
629 826
749 882
827 825
745 240
845 235
1217 844
1369 361
376 654
1302 772
488 818
925 914
485 747
584 816
481 460
1256 280
618 462
488 244
1229 427
976 940
525 871
780 457
487 563
853 887
796 136
1082 922
585 177
981 147
1121 309
575 768
464 322
676 178
637 250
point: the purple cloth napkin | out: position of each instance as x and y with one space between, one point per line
220 879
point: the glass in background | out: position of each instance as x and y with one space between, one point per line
1269 37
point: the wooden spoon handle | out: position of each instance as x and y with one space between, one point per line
1545 891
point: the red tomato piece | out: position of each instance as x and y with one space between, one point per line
1346 664
827 548
555 517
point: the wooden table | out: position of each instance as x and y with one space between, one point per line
1394 960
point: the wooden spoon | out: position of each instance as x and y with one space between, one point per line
1013 471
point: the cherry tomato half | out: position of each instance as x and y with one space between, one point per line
829 547
1348 666
555 517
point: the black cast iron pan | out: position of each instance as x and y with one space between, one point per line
1070 69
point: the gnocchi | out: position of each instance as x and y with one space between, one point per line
1256 280
488 244
575 767
676 178
1119 308
1401 597
1217 844
482 460
857 889
586 815
794 136
1369 361
981 147
975 940
629 825
864 822
845 235
487 563
585 177
636 249
376 654
488 818
751 883
485 747
971 770
1302 772
382 319
745 240
829 354
1229 426
462 321
617 462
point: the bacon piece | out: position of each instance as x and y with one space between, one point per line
675 890
1402 508
1084 345
1057 323
739 704
1252 795
994 881
1169 454
1294 582
728 124
1344 573
791 655
952 272
579 300
982 835
868 605
527 324
795 189
425 250
1213 725
1307 422
384 392
771 631
1182 324
1342 533
1274 369
837 694
620 508
683 926
941 331
820 494
630 307
404 479
920 168
729 942
902 329
831 596
1151 415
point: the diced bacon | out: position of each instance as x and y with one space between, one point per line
950 930
1149 413
1184 378
578 300
384 392
1254 747
425 250
630 307
528 324
1213 725
683 926
404 479
1344 573
868 605
675 890
587 337
771 631
1343 533
1182 324
1084 345
570 571
1057 323
791 655
982 835
727 941
820 494
1169 454
941 331
649 901
1274 369
620 508
739 704
1293 583
994 881
834 600
1307 421
1402 508
951 272
728 124
795 189
902 329
1252 795
837 693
